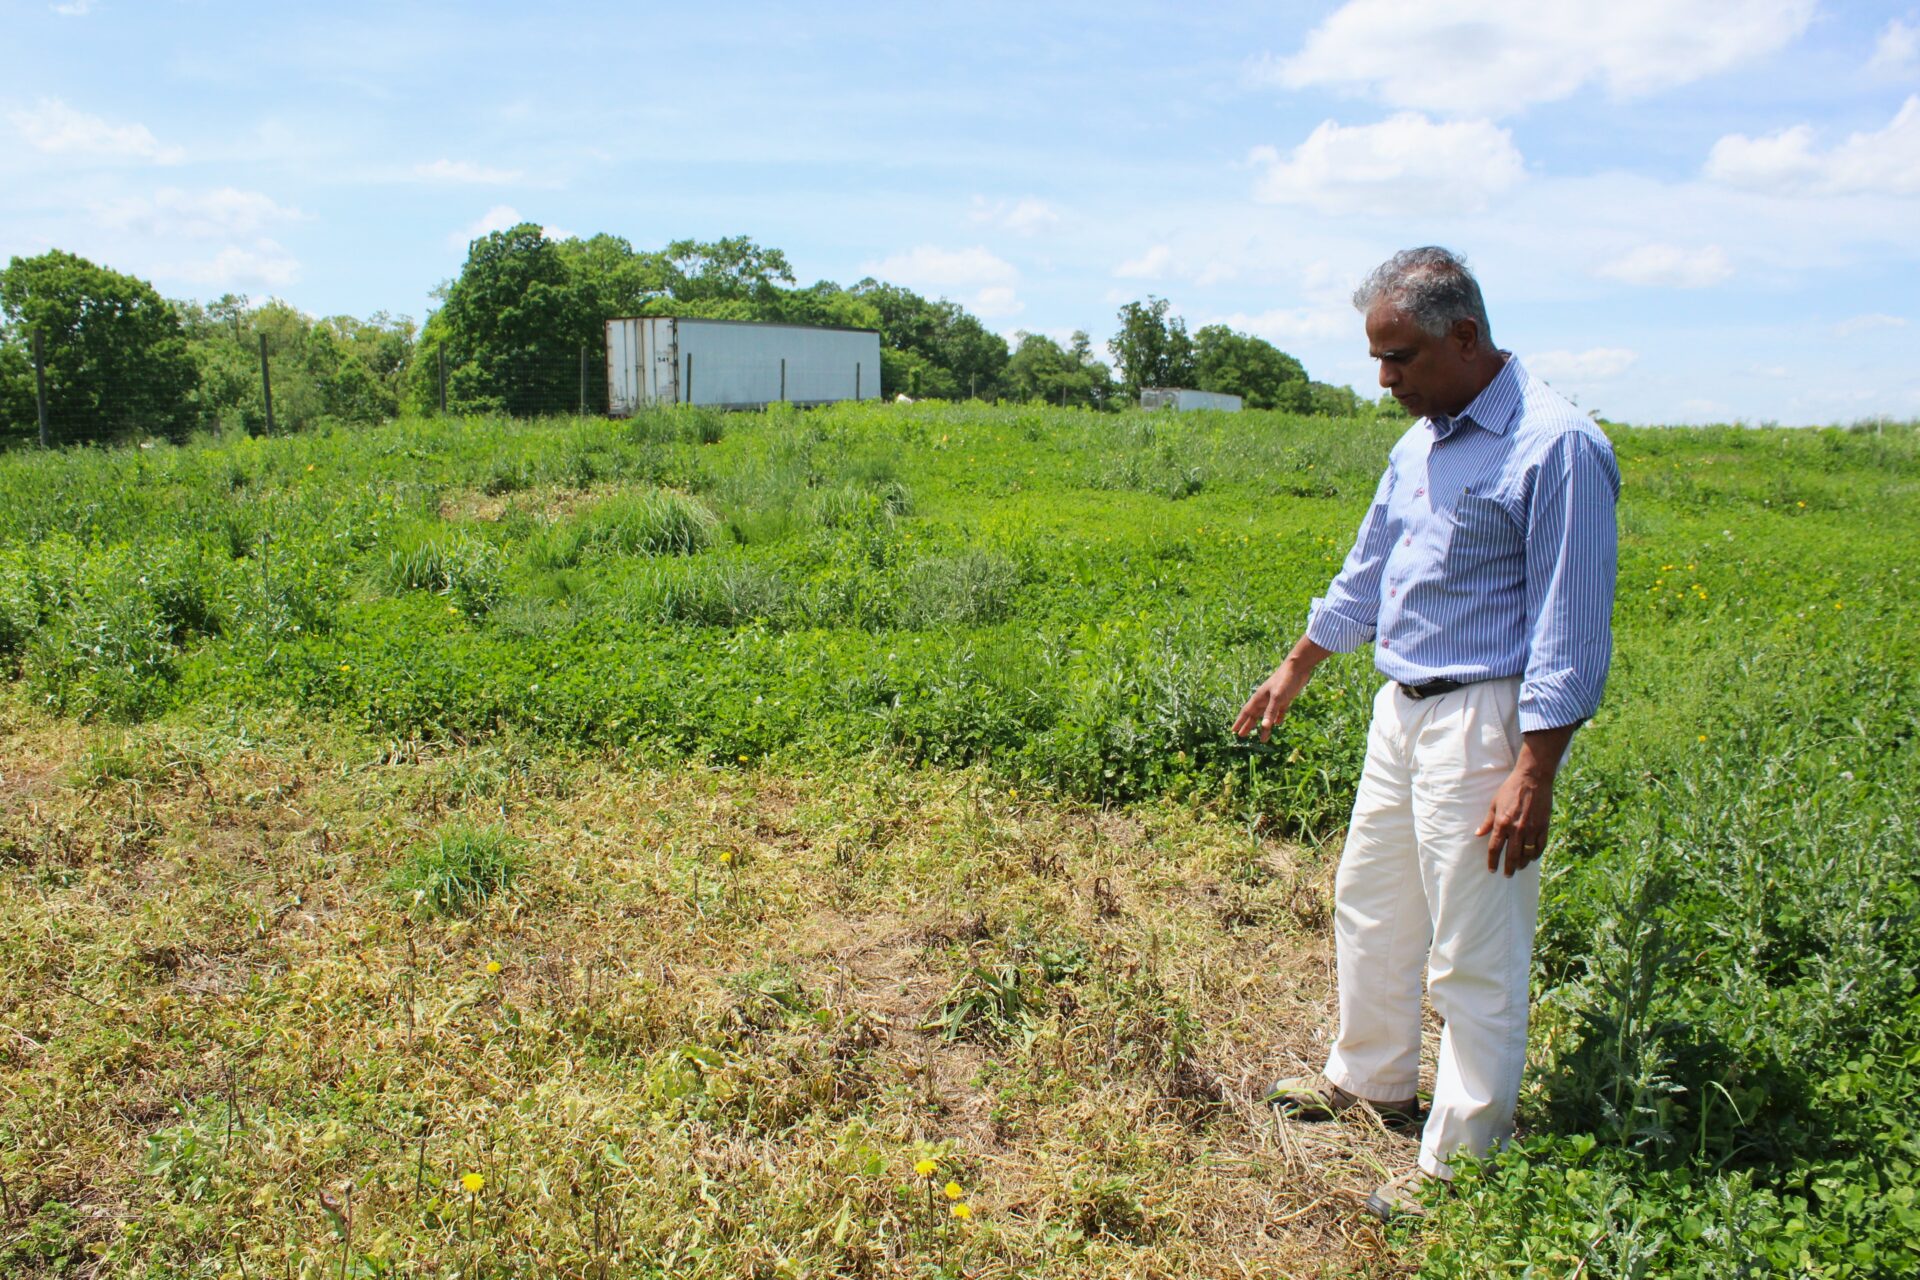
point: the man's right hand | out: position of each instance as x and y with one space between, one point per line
1274 698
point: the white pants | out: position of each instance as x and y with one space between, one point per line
1414 891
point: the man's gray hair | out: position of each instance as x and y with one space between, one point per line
1431 286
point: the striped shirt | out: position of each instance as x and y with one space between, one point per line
1489 551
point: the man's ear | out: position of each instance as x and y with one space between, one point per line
1465 336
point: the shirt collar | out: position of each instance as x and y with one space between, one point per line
1493 409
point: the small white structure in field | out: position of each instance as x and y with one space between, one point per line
736 364
1187 398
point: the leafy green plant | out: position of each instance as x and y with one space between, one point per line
460 869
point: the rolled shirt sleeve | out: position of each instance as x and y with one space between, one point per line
1346 617
1572 553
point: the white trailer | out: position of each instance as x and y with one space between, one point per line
736 364
1187 398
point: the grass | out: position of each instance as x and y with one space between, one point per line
841 791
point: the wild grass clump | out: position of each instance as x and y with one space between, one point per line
460 869
654 522
722 593
970 589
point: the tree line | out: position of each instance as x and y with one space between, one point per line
522 330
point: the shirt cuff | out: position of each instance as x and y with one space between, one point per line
1333 630
1555 699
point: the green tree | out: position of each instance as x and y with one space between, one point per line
1041 369
1330 401
114 351
512 327
1242 365
340 368
1152 349
955 355
734 269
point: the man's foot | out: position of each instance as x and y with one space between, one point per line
1399 1197
1318 1098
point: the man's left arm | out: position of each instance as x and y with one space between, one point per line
1572 555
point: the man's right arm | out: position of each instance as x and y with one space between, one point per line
1339 622
1270 702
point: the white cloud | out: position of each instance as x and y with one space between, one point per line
929 267
1595 365
1884 162
1403 162
976 278
464 171
996 302
265 265
55 128
170 211
1669 266
498 218
1295 324
73 8
1496 57
1897 51
1854 326
1150 265
1026 216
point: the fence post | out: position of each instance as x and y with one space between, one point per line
783 379
266 383
856 379
583 379
40 387
440 357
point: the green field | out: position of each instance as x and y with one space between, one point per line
844 790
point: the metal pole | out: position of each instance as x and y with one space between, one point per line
783 379
583 379
440 356
973 388
40 387
856 379
689 399
266 383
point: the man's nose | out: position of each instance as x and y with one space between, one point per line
1388 374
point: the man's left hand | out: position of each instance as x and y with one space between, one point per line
1517 820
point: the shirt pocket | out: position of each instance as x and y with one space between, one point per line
1482 536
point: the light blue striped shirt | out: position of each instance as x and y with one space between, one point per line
1489 551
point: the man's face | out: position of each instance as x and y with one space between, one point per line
1427 375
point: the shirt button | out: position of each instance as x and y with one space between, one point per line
1386 644
1409 541
1419 493
1393 591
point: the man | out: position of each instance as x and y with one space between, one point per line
1484 574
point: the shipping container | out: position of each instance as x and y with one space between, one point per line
1187 398
736 364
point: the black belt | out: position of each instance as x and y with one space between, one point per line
1432 688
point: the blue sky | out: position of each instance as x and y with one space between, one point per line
1680 210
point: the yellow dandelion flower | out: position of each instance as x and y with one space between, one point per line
925 1168
953 1191
962 1211
472 1182
1838 605
310 467
726 855
1703 737
493 966
743 759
